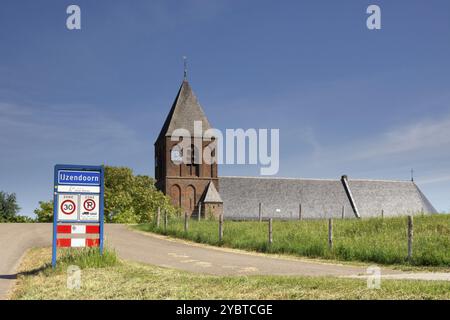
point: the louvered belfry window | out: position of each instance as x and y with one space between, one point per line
193 167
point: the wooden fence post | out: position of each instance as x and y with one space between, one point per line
260 212
382 213
343 212
165 220
221 227
158 217
270 231
300 211
410 237
186 222
199 211
330 233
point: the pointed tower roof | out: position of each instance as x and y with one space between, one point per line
185 110
212 195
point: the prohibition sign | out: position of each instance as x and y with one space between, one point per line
89 205
68 207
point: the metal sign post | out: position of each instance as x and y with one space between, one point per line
78 207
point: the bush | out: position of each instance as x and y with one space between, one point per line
45 211
132 198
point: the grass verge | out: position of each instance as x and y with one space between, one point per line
125 280
377 240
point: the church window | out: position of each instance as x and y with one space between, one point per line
193 165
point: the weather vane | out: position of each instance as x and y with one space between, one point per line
185 67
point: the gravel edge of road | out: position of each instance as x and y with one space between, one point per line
12 285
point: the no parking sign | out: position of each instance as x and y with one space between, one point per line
78 207
89 210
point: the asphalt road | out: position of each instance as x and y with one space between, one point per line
177 254
15 239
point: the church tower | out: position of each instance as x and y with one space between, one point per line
187 183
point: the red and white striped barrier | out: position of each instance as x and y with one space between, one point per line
68 230
78 229
77 243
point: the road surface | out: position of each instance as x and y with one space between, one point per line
177 254
15 239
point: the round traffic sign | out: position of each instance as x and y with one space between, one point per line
89 205
68 207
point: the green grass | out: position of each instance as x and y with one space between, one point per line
83 258
125 280
377 240
87 258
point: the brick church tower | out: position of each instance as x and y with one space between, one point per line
188 183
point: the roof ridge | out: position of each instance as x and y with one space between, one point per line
280 178
381 180
318 179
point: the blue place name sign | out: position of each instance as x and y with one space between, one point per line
79 178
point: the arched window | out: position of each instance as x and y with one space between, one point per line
191 198
175 192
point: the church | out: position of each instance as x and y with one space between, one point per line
198 189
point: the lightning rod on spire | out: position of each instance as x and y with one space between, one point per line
185 67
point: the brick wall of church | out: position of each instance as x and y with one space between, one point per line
212 210
183 183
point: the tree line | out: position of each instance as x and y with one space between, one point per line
129 198
9 209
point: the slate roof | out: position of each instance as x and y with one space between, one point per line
319 198
393 197
211 195
185 110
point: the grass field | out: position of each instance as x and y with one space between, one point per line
377 240
110 278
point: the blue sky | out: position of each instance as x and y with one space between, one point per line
370 104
